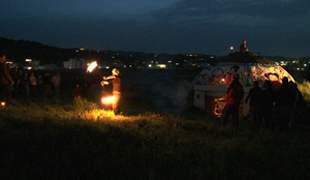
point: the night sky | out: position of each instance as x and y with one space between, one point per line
271 28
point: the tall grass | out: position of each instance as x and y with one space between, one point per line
61 139
305 90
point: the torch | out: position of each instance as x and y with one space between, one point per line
106 99
91 66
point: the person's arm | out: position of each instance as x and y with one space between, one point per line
109 77
104 83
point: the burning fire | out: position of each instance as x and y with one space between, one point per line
92 66
108 100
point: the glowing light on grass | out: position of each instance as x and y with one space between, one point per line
108 100
2 104
102 115
92 66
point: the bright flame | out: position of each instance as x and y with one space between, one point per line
92 66
108 100
2 104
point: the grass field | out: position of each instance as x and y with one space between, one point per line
60 138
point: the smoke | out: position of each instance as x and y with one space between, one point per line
171 97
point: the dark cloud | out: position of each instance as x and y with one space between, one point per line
159 26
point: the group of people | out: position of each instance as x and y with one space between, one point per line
277 108
15 83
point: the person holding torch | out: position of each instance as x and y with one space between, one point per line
116 81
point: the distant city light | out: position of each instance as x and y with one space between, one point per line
162 66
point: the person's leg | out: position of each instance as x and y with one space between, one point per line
115 105
235 116
226 114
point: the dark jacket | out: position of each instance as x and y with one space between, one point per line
285 96
256 97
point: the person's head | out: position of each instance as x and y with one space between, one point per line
244 42
115 72
285 80
255 83
236 77
267 84
2 58
291 83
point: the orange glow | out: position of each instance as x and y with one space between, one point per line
92 66
108 100
223 79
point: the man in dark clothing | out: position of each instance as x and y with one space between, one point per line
234 96
256 96
116 81
298 108
268 105
284 104
6 81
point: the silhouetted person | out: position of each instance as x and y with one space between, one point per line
234 96
243 48
298 107
47 85
33 85
56 83
76 87
6 81
268 105
256 96
16 78
25 84
284 104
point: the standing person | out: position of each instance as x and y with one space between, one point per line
33 84
25 84
284 104
234 96
47 85
6 81
243 48
256 96
268 105
40 84
116 81
76 87
16 79
298 107
56 82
